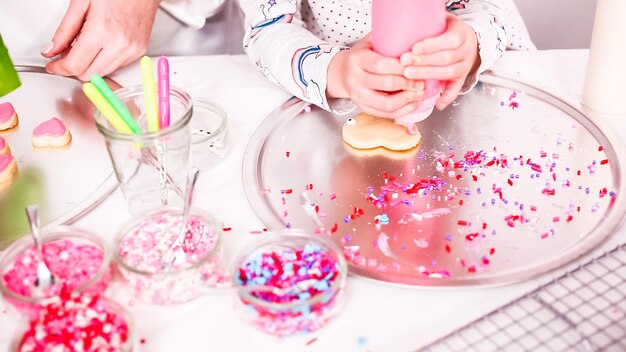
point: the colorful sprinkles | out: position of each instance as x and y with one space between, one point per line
538 193
142 248
72 263
77 323
307 283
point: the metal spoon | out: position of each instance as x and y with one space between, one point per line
44 276
175 252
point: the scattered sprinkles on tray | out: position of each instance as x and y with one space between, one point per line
512 103
537 193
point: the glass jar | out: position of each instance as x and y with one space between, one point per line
151 167
142 244
79 261
290 283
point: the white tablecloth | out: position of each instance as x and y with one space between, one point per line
376 317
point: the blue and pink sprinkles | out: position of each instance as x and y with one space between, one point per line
308 283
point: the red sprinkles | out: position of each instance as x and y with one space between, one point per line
68 322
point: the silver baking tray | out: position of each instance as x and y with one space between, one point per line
67 182
508 183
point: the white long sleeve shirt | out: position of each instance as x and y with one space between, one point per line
294 41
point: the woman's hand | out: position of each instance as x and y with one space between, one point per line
99 36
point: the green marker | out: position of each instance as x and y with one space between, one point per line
9 81
117 105
105 108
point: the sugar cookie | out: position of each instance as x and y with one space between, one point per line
8 116
4 147
51 133
364 131
382 152
8 167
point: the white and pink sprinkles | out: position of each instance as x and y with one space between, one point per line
141 250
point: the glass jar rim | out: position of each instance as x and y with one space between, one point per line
208 218
279 238
211 107
52 234
136 90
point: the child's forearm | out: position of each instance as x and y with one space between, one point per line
336 87
285 51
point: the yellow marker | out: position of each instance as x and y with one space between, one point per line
149 93
105 108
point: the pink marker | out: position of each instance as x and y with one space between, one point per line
163 69
396 26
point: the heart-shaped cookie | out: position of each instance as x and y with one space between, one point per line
51 133
365 131
8 116
381 152
4 147
8 167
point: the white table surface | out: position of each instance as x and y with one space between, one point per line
376 317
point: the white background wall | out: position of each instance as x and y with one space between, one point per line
558 24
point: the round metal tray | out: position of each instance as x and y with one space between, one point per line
67 182
507 183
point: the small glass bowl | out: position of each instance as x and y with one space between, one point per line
139 257
209 134
67 252
127 346
299 316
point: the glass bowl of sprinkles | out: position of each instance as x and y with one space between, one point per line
291 283
78 260
78 322
142 244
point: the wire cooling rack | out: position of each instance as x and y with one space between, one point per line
583 310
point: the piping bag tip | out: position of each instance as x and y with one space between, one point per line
411 128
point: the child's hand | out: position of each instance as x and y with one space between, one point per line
374 82
449 57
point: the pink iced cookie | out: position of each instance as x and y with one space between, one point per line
51 133
8 116
4 147
8 167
